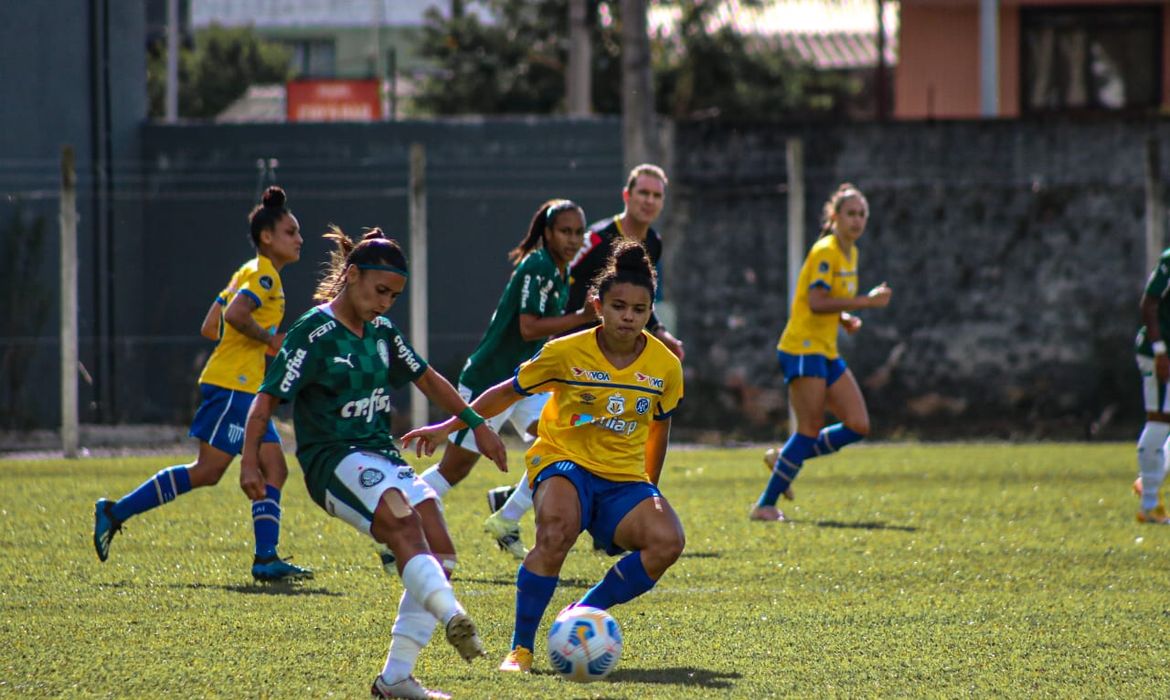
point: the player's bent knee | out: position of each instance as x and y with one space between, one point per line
556 537
861 427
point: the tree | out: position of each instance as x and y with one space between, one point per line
517 64
217 70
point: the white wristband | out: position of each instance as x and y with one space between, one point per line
1159 347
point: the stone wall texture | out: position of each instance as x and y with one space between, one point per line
1016 252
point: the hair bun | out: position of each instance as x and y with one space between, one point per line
274 197
373 233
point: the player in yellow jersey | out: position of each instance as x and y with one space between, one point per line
244 318
601 443
814 371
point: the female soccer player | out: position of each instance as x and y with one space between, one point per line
337 365
601 445
244 318
1154 365
815 373
529 311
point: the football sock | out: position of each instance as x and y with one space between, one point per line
833 438
423 577
624 581
412 630
796 450
161 488
266 522
519 503
1152 461
533 592
437 481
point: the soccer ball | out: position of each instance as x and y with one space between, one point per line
584 644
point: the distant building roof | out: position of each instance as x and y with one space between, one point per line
261 103
837 50
321 13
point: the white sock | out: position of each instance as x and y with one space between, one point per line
519 503
1152 461
412 630
436 480
424 579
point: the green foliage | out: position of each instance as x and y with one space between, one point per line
517 64
217 70
906 571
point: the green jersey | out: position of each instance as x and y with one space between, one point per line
1157 287
339 386
536 287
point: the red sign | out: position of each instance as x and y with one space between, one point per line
333 101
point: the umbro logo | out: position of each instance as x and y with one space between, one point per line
344 360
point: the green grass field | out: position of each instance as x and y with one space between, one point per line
906 570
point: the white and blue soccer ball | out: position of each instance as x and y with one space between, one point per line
584 644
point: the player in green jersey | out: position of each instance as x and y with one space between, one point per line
531 309
337 365
1154 365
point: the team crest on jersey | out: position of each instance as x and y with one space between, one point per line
647 379
384 352
370 477
266 281
642 405
823 267
616 405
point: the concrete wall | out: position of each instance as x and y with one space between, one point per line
1015 251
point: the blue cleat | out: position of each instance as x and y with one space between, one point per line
276 569
105 526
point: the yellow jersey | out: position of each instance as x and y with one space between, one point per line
238 361
827 267
599 416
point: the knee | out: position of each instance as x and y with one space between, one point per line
204 474
859 425
556 537
665 548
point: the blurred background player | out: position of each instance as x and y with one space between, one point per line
337 365
602 442
1154 365
814 371
244 319
644 196
530 310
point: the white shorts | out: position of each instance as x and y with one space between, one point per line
1153 393
359 481
521 414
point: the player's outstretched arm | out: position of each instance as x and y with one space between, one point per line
442 394
251 478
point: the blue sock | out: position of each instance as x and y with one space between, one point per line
266 522
625 581
834 438
155 491
796 450
533 592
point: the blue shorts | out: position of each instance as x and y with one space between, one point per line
603 502
794 366
220 419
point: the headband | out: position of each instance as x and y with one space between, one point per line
387 268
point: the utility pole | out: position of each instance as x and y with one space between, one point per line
578 81
172 93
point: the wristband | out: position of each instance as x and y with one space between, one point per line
471 418
1159 347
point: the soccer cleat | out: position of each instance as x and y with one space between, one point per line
408 687
276 569
498 496
507 534
770 456
766 514
388 561
461 634
519 660
105 526
1154 516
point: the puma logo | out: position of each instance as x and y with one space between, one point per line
344 360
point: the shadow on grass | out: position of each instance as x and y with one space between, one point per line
862 525
511 581
701 555
272 588
696 677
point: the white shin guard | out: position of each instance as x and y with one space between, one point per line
424 579
1152 460
519 503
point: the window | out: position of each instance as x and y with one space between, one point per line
1090 59
314 58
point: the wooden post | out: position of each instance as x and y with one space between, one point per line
1155 209
795 166
639 140
578 82
418 272
70 431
